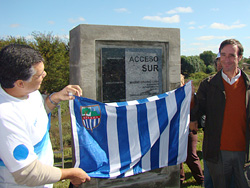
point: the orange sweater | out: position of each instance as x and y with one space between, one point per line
234 121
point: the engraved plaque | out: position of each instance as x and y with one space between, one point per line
143 72
131 73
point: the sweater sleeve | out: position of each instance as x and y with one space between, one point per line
37 174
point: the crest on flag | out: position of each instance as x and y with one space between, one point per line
91 116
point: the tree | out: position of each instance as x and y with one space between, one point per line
56 56
191 64
12 40
197 78
210 69
208 57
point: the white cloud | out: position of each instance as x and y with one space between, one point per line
63 37
196 44
29 37
51 22
173 19
121 10
191 27
15 25
191 23
211 37
80 19
190 51
227 27
198 49
201 26
180 10
237 22
215 9
213 48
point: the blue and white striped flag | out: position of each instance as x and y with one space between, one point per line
122 139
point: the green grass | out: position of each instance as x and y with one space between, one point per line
66 126
61 184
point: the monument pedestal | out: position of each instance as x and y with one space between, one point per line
159 178
121 63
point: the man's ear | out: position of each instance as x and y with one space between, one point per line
240 57
19 84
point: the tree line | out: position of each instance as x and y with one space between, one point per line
203 63
56 55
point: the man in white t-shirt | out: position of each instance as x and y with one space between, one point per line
26 156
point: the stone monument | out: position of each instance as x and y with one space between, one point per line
122 63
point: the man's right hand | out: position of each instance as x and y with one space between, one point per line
193 125
76 176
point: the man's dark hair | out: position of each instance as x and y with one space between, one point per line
233 42
16 63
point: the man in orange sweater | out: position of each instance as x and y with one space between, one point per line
224 99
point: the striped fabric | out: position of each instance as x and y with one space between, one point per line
126 138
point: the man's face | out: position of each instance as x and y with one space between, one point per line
36 80
229 58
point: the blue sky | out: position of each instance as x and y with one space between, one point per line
203 24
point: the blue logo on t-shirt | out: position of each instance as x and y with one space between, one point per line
21 152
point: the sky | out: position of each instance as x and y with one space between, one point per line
203 24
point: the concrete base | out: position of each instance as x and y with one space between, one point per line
159 178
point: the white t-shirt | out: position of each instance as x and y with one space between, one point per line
24 133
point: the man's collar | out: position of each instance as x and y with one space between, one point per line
233 80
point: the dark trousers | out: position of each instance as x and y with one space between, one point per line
193 161
230 166
208 183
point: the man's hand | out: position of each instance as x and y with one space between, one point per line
66 93
76 176
193 125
